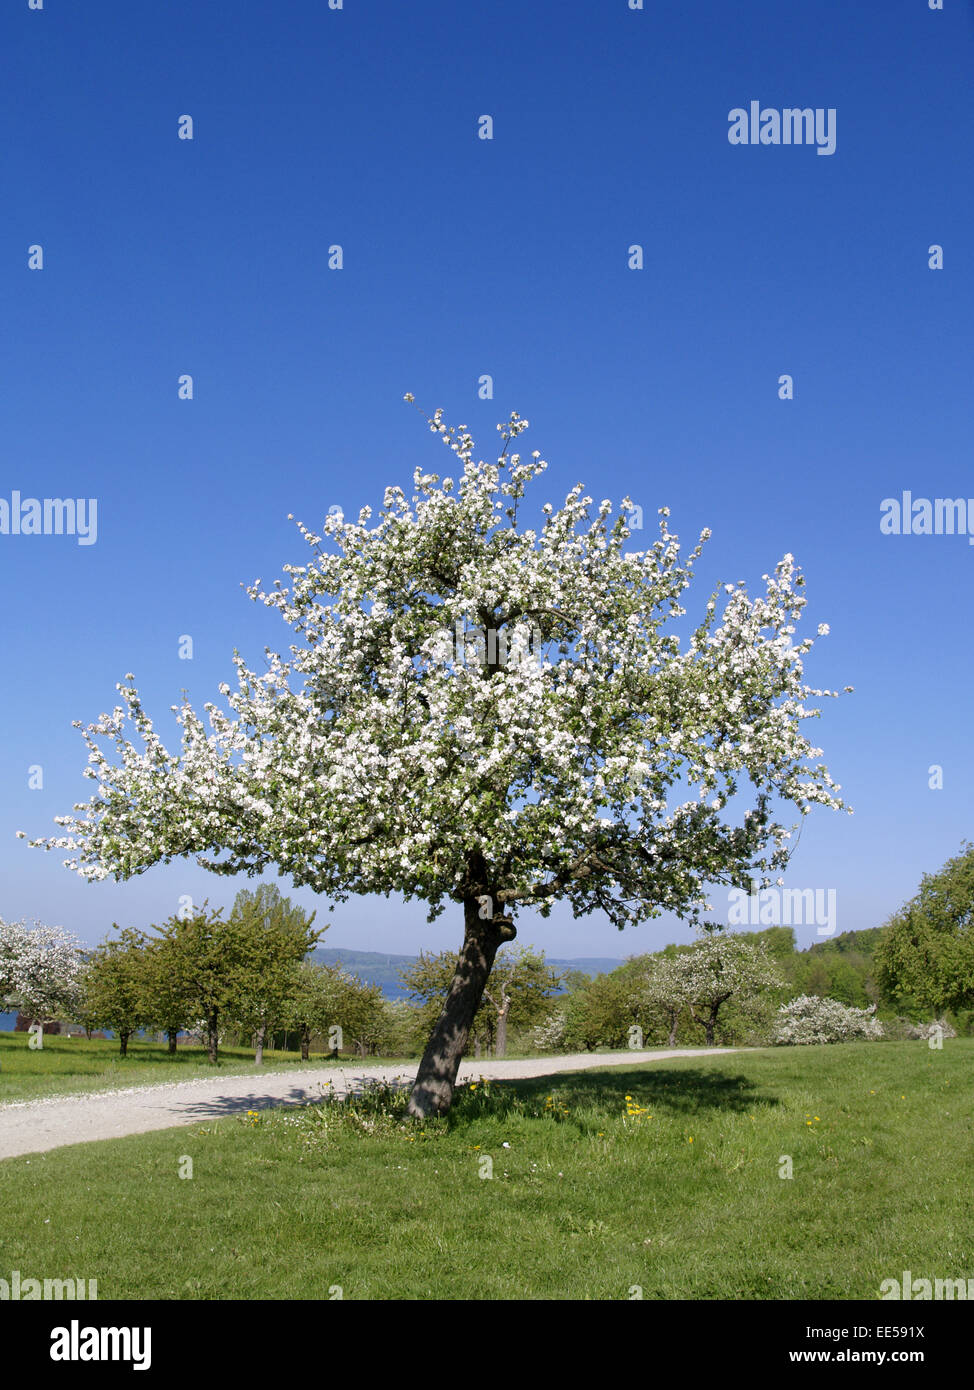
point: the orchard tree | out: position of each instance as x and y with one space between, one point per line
115 993
170 1001
318 998
712 971
485 715
601 1012
926 953
399 1035
520 985
275 936
41 969
662 988
212 962
362 1016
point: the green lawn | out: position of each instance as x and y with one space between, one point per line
683 1199
65 1066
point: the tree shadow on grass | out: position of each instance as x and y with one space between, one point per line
685 1092
314 1093
216 1107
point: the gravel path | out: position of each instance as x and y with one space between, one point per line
28 1127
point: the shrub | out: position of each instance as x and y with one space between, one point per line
549 1036
810 1019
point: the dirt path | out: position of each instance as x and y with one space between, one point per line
28 1127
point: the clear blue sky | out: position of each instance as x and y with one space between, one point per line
463 257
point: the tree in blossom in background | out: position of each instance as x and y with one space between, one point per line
705 977
41 970
809 1020
485 715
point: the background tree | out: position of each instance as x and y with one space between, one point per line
214 963
601 1011
925 957
322 997
716 969
663 988
114 985
811 1019
362 1016
521 985
81 1013
484 716
40 970
171 1004
402 1034
274 936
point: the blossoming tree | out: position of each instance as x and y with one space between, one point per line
41 970
713 970
480 714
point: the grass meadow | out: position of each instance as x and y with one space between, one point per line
667 1181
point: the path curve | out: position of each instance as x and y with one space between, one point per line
29 1127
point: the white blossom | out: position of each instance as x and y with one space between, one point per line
810 1019
595 765
40 969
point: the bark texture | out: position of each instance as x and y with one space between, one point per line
211 1036
432 1090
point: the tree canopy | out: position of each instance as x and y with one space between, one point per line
926 954
485 715
41 970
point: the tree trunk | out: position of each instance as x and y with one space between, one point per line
500 1047
259 1052
476 1046
305 1044
123 1044
212 1042
432 1090
674 1025
171 1034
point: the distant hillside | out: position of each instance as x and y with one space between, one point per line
377 968
862 942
